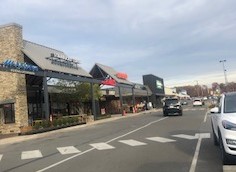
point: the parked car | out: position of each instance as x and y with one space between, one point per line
172 106
197 102
223 120
184 102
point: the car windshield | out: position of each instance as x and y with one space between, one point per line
230 104
171 101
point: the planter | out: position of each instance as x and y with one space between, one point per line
89 118
42 130
25 129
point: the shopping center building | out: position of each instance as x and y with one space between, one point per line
26 67
24 73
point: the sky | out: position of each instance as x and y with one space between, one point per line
181 41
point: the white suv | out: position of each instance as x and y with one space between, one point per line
224 126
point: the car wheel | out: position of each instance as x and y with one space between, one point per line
181 113
224 155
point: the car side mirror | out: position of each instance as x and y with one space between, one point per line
215 110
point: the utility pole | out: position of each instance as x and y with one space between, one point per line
226 81
197 89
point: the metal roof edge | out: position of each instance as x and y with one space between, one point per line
40 45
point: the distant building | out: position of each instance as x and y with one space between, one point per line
170 92
183 94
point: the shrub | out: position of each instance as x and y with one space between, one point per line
70 120
76 120
45 123
59 122
55 122
211 106
37 125
65 121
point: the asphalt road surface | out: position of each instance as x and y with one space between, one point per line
141 143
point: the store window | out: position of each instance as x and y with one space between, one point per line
9 113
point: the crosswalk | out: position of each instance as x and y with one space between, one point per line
194 109
161 139
102 146
67 150
31 154
132 142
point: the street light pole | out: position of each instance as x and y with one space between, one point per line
223 63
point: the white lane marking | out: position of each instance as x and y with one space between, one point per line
196 154
160 139
68 150
31 154
229 168
195 157
132 142
205 118
102 146
1 157
89 150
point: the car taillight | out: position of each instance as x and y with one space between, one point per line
229 125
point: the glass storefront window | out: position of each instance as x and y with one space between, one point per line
9 113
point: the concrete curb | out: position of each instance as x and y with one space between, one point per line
17 139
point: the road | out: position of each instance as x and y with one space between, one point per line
141 143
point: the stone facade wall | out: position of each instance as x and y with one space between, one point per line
13 85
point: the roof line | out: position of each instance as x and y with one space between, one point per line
43 46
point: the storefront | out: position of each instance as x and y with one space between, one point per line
25 68
122 95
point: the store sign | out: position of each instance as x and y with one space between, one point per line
62 60
159 84
122 75
20 67
109 81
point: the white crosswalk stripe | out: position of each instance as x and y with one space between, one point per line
193 109
68 150
185 136
132 142
31 154
105 146
101 146
160 139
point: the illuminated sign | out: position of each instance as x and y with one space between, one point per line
109 81
159 84
121 75
62 60
19 66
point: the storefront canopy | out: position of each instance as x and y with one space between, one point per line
101 72
138 92
52 60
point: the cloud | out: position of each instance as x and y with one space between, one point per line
172 39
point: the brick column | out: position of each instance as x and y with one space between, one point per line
13 85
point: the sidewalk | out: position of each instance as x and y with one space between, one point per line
17 139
